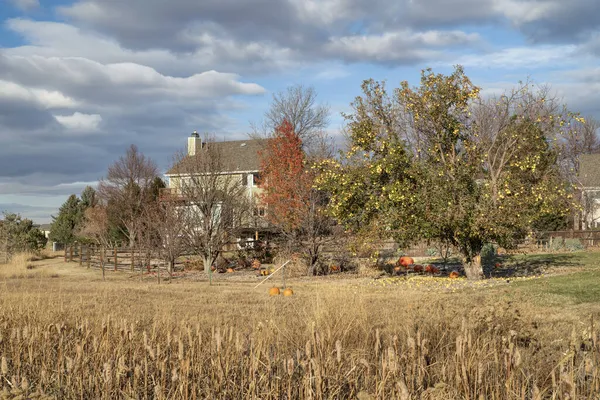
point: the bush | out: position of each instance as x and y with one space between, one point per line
431 252
489 252
573 244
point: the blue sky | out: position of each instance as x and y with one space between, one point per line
81 80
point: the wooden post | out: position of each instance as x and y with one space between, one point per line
116 255
71 253
65 253
132 258
88 255
80 254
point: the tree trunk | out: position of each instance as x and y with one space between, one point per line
208 269
473 268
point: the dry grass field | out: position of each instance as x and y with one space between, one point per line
67 334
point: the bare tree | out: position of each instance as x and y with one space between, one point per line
579 138
127 189
215 204
298 105
170 222
96 227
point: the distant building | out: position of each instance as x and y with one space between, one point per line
239 159
589 185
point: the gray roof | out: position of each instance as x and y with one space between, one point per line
236 155
589 170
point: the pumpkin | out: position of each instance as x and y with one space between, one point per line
406 261
229 270
454 274
397 269
213 268
288 292
418 268
256 263
334 268
274 291
435 270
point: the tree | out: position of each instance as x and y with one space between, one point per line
293 205
214 205
298 106
128 187
68 223
96 228
447 184
88 197
19 234
64 226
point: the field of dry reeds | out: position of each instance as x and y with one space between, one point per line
66 334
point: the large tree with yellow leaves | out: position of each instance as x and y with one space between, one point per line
433 162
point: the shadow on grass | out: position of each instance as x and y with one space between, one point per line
531 264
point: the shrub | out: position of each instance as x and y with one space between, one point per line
488 253
573 244
431 252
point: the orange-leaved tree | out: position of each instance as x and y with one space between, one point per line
293 205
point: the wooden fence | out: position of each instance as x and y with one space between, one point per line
115 258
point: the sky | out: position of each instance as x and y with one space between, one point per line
82 80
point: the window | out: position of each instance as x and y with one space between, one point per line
244 179
259 212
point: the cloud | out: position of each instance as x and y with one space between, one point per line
402 46
25 5
79 121
543 56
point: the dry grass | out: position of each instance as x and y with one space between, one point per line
22 265
79 337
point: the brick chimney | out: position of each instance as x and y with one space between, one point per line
194 144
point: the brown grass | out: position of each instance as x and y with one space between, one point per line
79 337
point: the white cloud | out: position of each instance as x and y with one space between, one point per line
523 11
79 121
522 57
26 4
399 46
47 99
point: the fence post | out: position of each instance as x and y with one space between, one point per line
71 253
132 258
65 253
116 255
88 255
80 254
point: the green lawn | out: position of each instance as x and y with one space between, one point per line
575 277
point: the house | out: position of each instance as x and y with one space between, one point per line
45 228
237 159
589 186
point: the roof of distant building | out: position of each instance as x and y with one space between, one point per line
589 170
236 156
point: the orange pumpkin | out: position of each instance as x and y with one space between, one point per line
406 261
229 270
397 269
334 268
454 274
435 270
256 263
288 292
274 291
418 268
429 269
